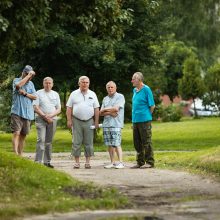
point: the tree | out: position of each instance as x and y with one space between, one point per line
21 24
212 79
196 23
175 54
191 85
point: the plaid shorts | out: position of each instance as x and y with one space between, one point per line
112 136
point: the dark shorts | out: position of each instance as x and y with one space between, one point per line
19 124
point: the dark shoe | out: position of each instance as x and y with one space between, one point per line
147 165
49 165
137 166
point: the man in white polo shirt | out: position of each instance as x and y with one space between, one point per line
82 112
47 106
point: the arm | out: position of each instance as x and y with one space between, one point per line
69 116
56 112
113 111
96 117
152 109
28 95
25 79
42 114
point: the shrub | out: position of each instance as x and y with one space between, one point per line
170 113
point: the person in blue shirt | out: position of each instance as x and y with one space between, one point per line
22 111
142 108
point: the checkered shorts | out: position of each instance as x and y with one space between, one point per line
112 136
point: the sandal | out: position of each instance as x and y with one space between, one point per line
76 166
87 166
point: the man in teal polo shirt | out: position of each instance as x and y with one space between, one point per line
142 108
22 111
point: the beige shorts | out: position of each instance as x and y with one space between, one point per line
19 124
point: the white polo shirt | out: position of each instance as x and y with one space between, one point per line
83 105
47 101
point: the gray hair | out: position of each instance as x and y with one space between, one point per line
109 83
81 78
139 76
48 78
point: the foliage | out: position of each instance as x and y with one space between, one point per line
21 24
191 85
196 23
174 56
212 80
170 113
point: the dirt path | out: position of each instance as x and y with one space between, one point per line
155 193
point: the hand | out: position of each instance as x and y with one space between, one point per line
22 92
69 124
31 74
48 119
96 125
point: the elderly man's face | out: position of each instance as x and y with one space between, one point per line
135 81
111 89
48 85
84 84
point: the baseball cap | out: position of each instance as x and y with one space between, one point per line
27 69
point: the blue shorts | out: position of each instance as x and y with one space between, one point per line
112 136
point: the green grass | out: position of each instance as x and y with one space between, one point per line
185 135
29 188
205 162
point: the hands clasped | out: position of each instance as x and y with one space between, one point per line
47 118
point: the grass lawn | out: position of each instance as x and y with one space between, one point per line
29 188
186 135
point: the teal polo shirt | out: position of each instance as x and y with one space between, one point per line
141 102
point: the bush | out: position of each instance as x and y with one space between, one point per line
169 113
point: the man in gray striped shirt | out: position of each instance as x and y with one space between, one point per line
113 111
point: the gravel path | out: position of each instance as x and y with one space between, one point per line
155 193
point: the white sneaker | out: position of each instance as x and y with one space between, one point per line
119 166
109 166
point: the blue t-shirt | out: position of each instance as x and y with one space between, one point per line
21 105
141 102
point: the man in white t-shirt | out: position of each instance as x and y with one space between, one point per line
47 106
82 112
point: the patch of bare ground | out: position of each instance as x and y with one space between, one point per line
154 193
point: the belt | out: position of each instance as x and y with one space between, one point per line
82 120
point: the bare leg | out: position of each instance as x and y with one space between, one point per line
119 153
77 159
87 160
21 144
15 141
111 151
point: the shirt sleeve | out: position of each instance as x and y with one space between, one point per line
150 97
36 101
120 101
70 101
58 105
96 102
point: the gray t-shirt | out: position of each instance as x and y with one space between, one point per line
116 100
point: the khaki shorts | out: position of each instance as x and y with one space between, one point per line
19 124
